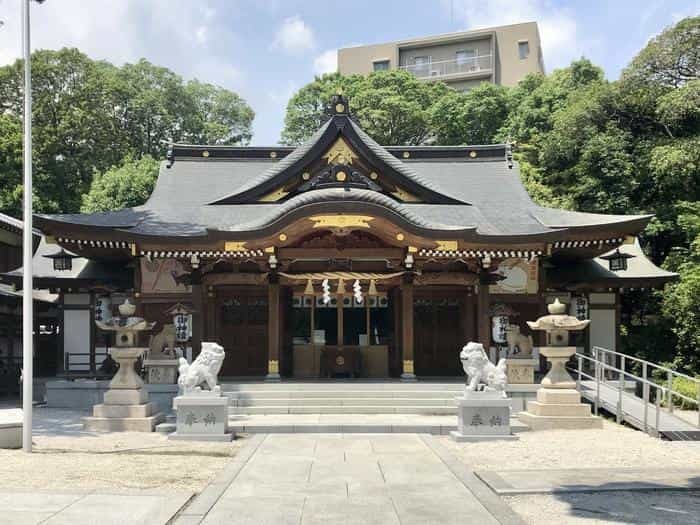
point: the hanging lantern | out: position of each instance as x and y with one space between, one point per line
617 260
103 308
62 260
182 320
372 291
499 323
579 307
309 290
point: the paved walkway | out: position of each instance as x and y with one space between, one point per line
104 507
509 482
346 479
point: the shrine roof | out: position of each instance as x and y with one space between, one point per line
472 192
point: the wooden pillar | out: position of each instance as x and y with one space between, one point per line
273 329
198 313
483 323
407 329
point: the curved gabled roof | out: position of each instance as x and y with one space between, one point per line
472 192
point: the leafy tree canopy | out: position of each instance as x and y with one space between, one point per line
124 186
90 115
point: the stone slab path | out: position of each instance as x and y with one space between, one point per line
104 507
346 478
511 482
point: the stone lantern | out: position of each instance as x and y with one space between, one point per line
126 405
558 403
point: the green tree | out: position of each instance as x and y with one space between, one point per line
90 115
472 117
393 107
124 186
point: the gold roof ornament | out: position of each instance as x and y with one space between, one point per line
341 221
340 153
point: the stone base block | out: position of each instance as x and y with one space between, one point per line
199 415
124 411
564 396
559 422
521 371
552 409
457 436
126 397
202 437
127 424
483 414
161 371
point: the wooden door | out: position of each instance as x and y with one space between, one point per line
439 328
242 330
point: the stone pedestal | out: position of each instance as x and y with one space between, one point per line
126 406
202 416
11 422
558 404
521 370
161 371
482 416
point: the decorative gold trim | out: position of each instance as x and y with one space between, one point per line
400 236
137 294
273 154
133 249
339 153
408 366
273 366
270 249
282 237
340 108
234 246
405 196
274 196
341 221
341 176
406 154
412 249
373 176
306 175
205 154
50 239
472 154
447 246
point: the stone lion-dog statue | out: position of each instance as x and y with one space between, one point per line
162 345
518 344
481 371
203 370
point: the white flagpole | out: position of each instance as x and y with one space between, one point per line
27 244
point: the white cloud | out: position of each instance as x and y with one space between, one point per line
281 97
561 42
326 62
294 36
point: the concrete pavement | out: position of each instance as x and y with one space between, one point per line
346 478
104 507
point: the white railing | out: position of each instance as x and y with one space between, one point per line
443 68
610 368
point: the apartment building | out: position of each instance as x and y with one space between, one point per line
501 55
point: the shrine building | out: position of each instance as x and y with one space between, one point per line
338 258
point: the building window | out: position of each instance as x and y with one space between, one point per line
466 58
523 49
381 65
422 63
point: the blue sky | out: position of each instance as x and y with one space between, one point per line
267 49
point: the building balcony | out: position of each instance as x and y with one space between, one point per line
475 67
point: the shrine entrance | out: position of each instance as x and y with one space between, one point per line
443 321
242 328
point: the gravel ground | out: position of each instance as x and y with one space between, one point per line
663 508
66 457
612 447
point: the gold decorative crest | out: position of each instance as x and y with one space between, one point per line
340 153
234 246
404 195
447 246
341 221
274 196
408 366
273 366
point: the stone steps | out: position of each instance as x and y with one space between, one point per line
343 409
341 401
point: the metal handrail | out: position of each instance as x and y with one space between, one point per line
670 374
439 68
600 367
